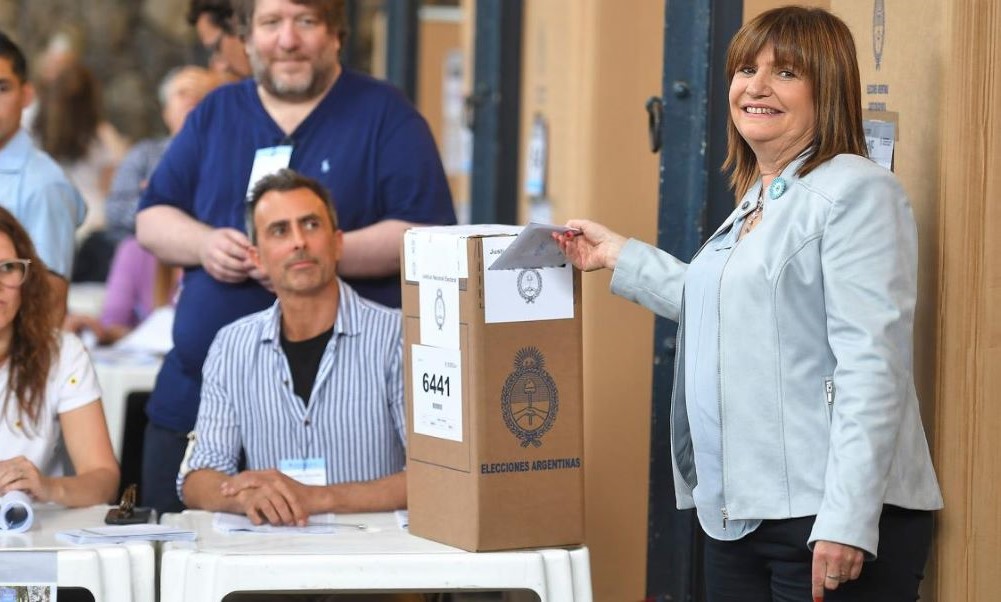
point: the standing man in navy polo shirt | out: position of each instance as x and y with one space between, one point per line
359 137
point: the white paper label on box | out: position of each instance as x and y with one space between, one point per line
437 386
431 250
527 294
417 239
438 291
439 299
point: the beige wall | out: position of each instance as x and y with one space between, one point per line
589 65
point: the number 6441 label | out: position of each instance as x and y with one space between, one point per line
436 380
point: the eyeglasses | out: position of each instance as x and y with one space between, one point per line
13 271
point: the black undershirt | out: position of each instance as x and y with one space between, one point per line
304 361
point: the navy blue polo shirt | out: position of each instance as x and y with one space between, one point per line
364 141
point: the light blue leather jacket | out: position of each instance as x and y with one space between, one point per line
818 408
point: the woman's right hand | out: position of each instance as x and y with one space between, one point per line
595 247
20 474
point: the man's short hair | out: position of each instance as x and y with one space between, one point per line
285 180
220 12
331 12
12 52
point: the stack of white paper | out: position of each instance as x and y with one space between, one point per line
16 515
153 335
318 524
125 533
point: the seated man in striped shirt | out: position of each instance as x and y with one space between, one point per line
311 390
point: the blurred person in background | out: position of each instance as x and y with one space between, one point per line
138 283
71 128
180 91
215 25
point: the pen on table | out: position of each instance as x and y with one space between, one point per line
359 526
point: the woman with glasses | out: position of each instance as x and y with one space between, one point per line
50 402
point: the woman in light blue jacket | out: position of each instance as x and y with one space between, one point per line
796 432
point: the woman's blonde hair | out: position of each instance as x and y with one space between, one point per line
818 46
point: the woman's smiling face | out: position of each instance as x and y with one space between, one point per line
772 107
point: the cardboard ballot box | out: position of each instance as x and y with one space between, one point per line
493 364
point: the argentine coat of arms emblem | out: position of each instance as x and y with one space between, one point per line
529 400
530 284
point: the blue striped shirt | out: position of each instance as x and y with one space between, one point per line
354 418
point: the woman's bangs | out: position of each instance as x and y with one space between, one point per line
787 46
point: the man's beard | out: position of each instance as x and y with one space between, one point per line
321 74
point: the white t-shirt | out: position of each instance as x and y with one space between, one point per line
72 384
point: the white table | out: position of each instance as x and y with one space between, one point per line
112 573
119 375
382 558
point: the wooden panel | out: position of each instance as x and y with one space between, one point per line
969 417
589 65
441 32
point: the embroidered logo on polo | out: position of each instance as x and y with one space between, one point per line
529 400
530 284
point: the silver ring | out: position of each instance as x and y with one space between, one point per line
835 577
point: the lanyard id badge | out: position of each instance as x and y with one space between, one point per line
268 161
308 471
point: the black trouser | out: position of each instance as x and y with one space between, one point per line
163 450
774 564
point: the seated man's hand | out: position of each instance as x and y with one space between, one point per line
268 496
